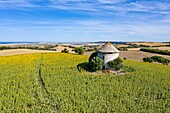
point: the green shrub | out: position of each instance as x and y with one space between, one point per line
65 51
161 60
96 64
83 66
123 49
116 64
150 60
158 59
133 46
79 50
144 45
95 49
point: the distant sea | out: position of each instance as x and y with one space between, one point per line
61 42
19 42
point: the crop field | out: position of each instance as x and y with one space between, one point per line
151 43
50 82
162 48
139 55
21 51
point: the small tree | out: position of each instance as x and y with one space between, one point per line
96 64
123 49
79 50
116 64
92 55
65 50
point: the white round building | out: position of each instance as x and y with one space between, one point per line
108 53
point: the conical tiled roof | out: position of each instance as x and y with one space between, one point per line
108 48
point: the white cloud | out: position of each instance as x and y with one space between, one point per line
149 31
147 19
103 6
13 4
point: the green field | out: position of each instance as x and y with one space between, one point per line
50 82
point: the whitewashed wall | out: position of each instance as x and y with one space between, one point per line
109 57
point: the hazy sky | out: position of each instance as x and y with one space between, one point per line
84 20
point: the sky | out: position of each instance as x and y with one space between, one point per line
84 20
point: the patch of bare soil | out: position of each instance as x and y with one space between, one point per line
149 43
7 44
120 45
60 48
103 72
139 55
20 51
135 55
88 53
162 48
120 72
133 49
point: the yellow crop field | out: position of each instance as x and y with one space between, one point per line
50 82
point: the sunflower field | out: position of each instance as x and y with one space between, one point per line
51 82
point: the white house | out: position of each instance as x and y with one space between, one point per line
108 52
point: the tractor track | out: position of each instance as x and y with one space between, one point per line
43 94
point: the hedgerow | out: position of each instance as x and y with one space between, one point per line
163 52
158 59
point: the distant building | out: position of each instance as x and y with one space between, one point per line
108 53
